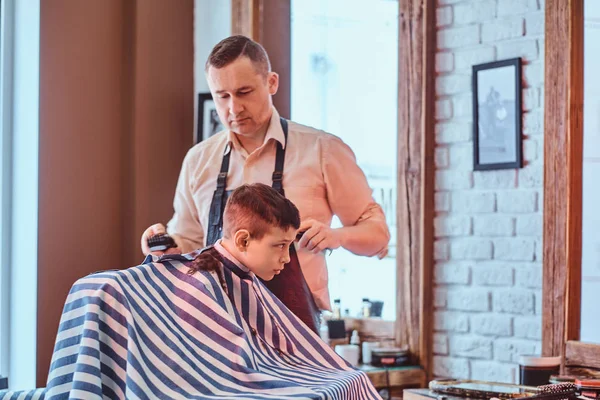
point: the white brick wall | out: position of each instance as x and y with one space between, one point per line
451 321
471 346
501 29
491 324
454 272
488 225
453 367
493 273
447 133
440 344
468 300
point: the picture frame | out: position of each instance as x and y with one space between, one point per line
497 137
208 119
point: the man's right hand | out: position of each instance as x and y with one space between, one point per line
156 229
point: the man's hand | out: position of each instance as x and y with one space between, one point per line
318 236
156 229
383 252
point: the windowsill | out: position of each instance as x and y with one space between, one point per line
406 376
371 329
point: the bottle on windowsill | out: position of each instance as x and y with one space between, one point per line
324 330
355 339
366 308
337 309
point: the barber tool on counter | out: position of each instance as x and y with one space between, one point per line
588 388
389 357
497 390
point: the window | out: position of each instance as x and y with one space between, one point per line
19 135
590 246
344 81
5 192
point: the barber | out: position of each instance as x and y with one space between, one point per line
315 170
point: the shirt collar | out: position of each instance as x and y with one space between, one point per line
223 251
151 258
274 131
243 271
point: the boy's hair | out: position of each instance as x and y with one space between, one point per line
230 49
258 208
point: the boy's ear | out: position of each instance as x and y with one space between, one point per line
241 239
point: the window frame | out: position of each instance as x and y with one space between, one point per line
6 118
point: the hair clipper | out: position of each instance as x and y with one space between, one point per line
161 242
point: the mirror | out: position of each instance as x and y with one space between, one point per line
354 98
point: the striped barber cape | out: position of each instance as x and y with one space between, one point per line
155 331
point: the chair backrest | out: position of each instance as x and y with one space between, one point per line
582 359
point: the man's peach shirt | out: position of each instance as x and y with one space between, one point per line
320 177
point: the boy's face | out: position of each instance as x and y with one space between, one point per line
267 256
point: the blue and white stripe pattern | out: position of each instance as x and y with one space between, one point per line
37 394
155 331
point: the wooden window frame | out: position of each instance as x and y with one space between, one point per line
563 148
416 147
268 22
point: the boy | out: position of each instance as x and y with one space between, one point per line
200 325
259 226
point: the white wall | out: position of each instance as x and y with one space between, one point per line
212 23
488 224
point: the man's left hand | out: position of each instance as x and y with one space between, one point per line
318 236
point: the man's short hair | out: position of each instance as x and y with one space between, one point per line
230 49
258 208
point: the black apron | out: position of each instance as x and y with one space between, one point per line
289 286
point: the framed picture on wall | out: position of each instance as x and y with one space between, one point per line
208 119
497 115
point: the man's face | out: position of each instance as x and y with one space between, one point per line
242 96
266 257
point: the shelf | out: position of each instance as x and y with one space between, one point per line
409 376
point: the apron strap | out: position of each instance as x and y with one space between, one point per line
217 205
279 160
222 178
216 209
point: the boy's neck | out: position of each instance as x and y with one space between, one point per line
229 246
233 251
